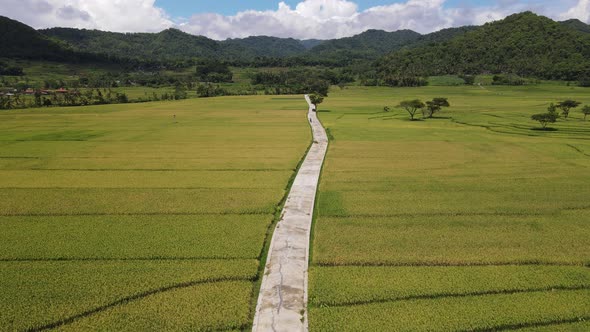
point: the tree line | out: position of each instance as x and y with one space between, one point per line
552 114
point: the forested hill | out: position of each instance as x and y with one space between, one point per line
168 44
368 45
524 44
577 25
372 44
262 46
18 40
175 44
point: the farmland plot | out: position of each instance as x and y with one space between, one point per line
471 221
150 216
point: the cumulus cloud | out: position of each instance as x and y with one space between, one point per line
70 13
320 19
113 15
325 19
580 11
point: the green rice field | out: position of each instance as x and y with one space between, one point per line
472 221
157 216
124 217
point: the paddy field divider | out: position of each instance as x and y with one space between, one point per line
282 301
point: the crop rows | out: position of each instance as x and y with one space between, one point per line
126 218
446 224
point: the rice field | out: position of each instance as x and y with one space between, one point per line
142 216
473 221
156 216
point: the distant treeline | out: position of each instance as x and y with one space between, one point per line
78 97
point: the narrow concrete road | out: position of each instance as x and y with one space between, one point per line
282 303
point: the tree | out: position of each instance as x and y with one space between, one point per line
316 99
412 106
180 91
435 105
586 111
545 118
213 71
552 109
567 105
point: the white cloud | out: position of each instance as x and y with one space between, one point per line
113 15
326 19
580 11
321 19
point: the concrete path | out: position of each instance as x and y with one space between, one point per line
282 303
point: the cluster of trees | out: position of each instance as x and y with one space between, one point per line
301 80
86 97
214 71
293 81
215 90
510 79
428 109
71 98
9 70
552 114
404 81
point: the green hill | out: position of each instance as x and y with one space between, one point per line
577 25
311 43
368 45
168 44
524 44
173 44
21 41
262 46
442 35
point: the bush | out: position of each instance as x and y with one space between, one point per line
507 80
214 71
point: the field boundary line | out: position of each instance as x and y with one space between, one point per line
282 301
123 259
131 298
138 214
154 169
454 295
447 264
513 327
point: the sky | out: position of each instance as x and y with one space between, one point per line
301 19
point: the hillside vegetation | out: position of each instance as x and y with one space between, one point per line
524 44
170 43
21 41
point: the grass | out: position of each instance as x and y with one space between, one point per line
455 240
73 288
447 80
469 221
133 236
337 286
80 201
203 307
125 217
471 313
